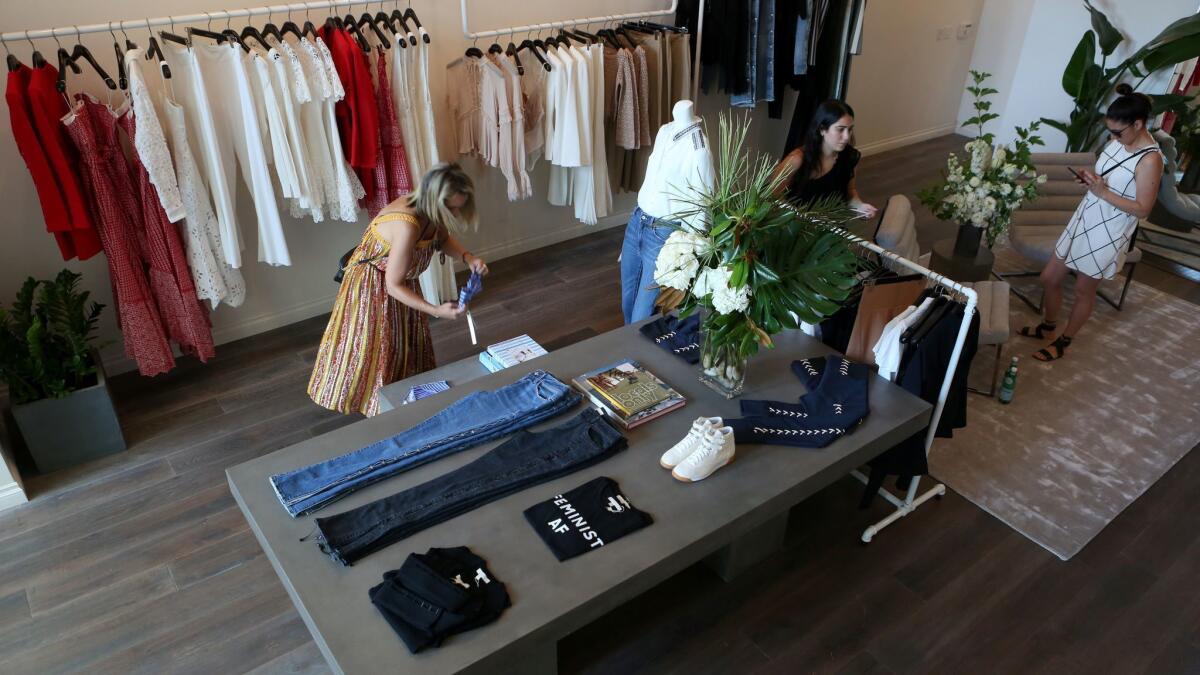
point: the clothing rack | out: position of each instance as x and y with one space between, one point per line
511 30
266 10
911 499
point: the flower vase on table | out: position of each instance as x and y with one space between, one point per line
966 244
751 263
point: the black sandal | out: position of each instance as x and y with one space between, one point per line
1041 331
1059 346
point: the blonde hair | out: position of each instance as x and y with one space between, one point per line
438 186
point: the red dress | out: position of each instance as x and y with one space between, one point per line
117 213
41 133
391 169
186 321
357 114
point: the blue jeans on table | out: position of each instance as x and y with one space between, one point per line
476 418
644 238
528 458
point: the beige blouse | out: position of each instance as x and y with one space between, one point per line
463 78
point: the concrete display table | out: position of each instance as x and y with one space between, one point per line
731 519
456 374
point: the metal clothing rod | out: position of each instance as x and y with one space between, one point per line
557 24
912 500
123 24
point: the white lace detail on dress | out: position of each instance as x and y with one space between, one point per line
149 141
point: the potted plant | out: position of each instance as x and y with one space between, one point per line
982 193
56 385
761 267
1089 83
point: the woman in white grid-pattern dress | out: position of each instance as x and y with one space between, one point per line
1121 189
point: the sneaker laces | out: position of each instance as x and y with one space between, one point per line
712 443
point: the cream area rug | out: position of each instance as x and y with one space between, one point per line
1085 435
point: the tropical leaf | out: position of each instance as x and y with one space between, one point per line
1083 56
1109 37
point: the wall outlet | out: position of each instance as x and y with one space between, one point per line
944 32
965 29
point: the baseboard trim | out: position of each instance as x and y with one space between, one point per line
906 139
115 360
12 495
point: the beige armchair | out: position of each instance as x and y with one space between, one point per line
1037 226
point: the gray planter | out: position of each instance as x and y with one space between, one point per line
62 432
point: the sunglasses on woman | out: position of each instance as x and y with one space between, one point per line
1116 133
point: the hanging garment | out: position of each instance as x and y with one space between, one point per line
463 86
1096 239
357 112
392 179
283 76
681 68
533 94
512 95
372 338
272 118
403 83
189 84
343 202
923 368
880 303
116 212
179 307
150 143
621 105
888 350
36 110
498 125
424 102
214 279
321 185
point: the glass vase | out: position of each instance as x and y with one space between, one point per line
723 368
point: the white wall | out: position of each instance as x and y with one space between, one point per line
906 85
902 87
1037 54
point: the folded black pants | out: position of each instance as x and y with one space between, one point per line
438 594
527 458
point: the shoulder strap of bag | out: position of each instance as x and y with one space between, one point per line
1139 153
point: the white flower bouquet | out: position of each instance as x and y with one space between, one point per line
985 188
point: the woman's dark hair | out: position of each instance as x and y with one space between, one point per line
826 115
1130 106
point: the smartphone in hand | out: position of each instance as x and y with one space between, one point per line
1078 176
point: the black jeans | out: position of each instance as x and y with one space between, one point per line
527 458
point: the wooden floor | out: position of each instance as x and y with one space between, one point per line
141 562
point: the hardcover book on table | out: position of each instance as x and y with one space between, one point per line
628 393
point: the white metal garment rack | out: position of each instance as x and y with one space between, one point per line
125 24
511 30
912 500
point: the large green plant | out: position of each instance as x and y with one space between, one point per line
1089 83
761 263
45 339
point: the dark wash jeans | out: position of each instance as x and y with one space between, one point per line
475 418
528 458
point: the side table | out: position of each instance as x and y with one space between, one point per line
944 262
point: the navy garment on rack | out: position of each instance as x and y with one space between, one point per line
681 337
441 593
836 402
921 372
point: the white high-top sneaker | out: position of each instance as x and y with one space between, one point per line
690 442
715 451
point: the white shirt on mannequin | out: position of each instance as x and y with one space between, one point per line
679 168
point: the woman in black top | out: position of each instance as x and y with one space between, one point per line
831 173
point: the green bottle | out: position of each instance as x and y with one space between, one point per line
1009 385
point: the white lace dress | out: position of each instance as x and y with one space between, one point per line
349 187
281 66
149 141
215 280
321 181
271 111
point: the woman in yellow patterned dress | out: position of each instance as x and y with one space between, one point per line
378 332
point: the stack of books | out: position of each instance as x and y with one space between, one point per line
628 393
510 352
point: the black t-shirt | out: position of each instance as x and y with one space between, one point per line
804 189
585 518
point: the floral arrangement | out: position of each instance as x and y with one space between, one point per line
762 265
995 181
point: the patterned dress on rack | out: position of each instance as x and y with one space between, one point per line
372 339
116 214
179 306
392 179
